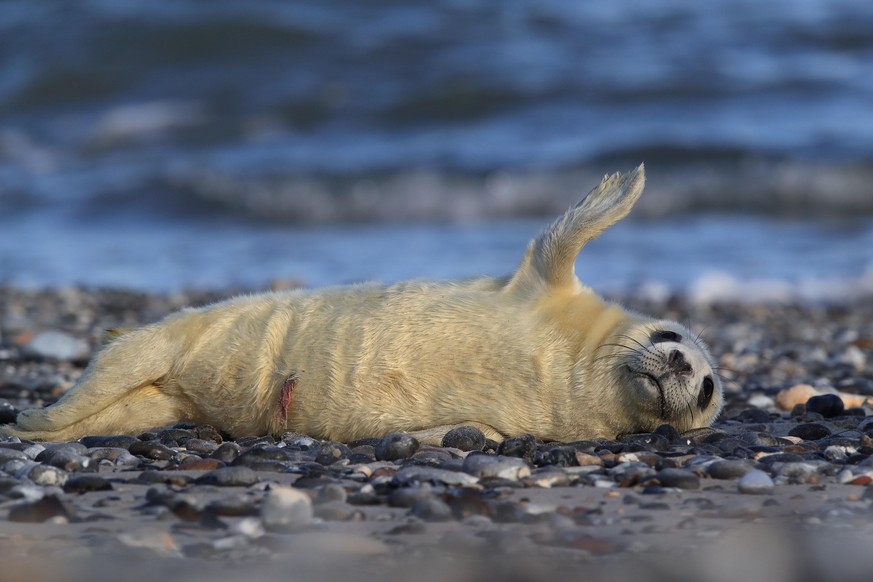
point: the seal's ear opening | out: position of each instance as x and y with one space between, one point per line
551 258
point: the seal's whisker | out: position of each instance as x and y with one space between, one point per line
635 341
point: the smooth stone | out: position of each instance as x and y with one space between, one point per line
152 450
728 469
560 456
330 493
285 508
755 482
65 459
57 345
523 447
828 405
679 478
10 455
431 509
83 483
491 466
332 452
811 431
227 452
122 441
236 476
465 438
47 475
395 446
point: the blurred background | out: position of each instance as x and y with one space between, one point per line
169 145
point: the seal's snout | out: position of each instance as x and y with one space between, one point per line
678 364
662 335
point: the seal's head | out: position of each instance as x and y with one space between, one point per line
666 374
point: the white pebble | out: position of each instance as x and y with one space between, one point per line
755 482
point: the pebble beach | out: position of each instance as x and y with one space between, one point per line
779 486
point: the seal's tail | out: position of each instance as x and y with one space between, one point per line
120 392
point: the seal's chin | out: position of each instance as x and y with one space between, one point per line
651 387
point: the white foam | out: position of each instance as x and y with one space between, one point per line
718 286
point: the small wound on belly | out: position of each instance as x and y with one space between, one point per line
285 397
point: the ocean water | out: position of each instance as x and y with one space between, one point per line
178 144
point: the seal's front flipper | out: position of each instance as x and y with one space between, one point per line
550 259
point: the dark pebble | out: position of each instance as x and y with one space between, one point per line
828 405
115 441
669 432
465 438
41 510
84 483
811 431
236 476
679 478
152 450
524 447
395 446
7 412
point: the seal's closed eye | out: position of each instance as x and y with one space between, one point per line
663 335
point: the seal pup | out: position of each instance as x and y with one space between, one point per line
537 352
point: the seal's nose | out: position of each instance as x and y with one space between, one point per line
663 335
678 363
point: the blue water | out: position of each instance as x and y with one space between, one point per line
176 144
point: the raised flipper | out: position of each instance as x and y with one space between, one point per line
550 259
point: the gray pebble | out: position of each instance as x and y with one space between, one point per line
465 438
488 466
755 482
679 478
728 469
237 476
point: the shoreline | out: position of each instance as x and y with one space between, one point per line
186 501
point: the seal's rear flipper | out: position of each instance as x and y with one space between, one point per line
550 259
118 393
